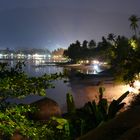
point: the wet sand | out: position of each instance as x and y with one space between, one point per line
83 89
87 90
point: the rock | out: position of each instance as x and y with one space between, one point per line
126 126
47 108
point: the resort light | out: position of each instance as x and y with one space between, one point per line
49 55
135 88
36 55
29 56
96 67
95 62
1 55
137 84
133 43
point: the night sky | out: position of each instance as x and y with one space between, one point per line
57 23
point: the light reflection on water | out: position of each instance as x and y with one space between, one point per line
82 90
90 69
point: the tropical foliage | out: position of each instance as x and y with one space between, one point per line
15 119
122 54
14 82
134 23
77 52
92 114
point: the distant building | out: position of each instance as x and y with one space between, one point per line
57 55
26 54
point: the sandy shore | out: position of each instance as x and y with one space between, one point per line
85 90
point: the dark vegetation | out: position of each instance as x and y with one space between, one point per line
17 119
120 52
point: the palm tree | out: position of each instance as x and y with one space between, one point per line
111 37
134 20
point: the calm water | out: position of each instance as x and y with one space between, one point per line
83 90
61 88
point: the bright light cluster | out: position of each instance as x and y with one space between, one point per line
133 43
95 62
135 88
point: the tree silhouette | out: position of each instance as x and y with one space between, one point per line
111 37
134 23
73 52
85 44
92 44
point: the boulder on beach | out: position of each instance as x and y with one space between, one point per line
126 126
46 108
